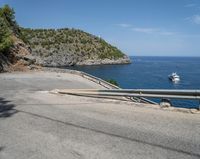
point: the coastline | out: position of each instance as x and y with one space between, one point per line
59 62
119 61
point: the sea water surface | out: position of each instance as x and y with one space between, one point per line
152 73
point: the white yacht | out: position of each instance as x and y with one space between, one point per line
174 77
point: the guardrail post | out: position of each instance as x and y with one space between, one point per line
199 104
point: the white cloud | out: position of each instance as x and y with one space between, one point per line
145 30
195 19
190 5
153 31
124 25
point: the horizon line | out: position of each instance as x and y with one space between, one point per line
161 56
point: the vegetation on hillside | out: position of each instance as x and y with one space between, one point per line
112 81
7 26
46 42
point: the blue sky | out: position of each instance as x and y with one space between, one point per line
137 27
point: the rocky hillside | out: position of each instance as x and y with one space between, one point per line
63 47
14 53
51 47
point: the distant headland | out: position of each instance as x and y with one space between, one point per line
21 47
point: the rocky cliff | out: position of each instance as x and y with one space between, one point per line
18 58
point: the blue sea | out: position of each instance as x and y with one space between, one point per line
152 73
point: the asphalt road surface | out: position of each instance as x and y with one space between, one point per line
36 124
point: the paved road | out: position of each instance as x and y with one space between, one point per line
37 124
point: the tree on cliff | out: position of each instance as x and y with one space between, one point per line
7 26
5 37
8 14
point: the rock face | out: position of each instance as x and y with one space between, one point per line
18 58
4 63
67 60
123 60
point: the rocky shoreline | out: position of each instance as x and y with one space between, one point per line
59 61
125 60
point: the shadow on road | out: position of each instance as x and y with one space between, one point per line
6 109
1 148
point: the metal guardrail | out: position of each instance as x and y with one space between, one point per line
157 93
139 93
97 80
110 86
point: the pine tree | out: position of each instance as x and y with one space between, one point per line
5 37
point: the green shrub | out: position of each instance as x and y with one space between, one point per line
112 81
